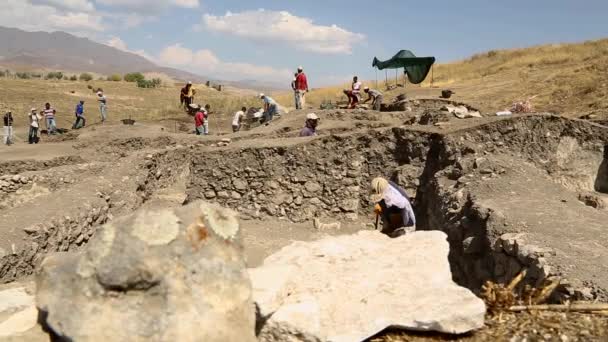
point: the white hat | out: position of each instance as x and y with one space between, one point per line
193 106
262 95
312 116
366 88
300 68
189 82
33 110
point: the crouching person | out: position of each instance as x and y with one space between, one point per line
394 206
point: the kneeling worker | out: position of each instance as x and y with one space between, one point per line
374 95
310 128
394 205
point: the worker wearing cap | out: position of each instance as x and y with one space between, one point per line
34 125
374 95
103 105
189 94
199 119
301 88
270 108
393 204
310 127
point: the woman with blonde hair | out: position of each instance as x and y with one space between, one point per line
395 207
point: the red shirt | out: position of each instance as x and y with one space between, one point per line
301 82
199 119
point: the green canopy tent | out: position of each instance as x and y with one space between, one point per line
416 68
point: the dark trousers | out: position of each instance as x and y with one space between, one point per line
77 125
33 135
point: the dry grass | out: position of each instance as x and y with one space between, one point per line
503 325
125 100
569 79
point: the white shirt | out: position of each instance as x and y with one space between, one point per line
392 197
357 86
34 118
237 116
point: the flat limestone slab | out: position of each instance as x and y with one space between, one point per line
349 288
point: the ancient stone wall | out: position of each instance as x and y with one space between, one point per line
328 177
19 166
59 235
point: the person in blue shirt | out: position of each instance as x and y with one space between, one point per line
270 108
80 120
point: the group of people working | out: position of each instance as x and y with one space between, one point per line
48 115
354 95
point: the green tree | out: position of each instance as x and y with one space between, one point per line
73 78
115 78
134 77
86 77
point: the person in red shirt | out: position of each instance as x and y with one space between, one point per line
301 88
199 121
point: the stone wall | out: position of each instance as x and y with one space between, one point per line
19 166
327 177
59 235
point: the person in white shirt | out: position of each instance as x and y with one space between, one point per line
394 205
103 106
238 118
34 125
354 93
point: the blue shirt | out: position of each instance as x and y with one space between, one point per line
79 109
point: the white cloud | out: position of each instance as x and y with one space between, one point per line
149 6
207 63
50 16
82 21
285 27
117 43
120 44
72 5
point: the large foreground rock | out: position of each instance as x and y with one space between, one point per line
173 275
349 288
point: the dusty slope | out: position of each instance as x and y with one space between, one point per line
568 79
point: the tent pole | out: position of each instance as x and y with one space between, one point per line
377 78
386 77
396 79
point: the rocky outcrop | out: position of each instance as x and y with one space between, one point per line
349 288
172 275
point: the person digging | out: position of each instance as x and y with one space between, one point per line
375 96
394 207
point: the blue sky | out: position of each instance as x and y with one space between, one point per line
332 39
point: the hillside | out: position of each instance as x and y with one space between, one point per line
65 52
568 79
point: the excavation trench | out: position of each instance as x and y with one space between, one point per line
447 174
453 177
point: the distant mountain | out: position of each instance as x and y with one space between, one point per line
60 51
65 52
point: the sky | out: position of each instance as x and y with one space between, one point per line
332 39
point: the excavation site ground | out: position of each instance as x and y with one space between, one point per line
511 193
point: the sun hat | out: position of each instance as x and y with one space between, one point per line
33 110
312 116
379 185
366 88
300 68
261 95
